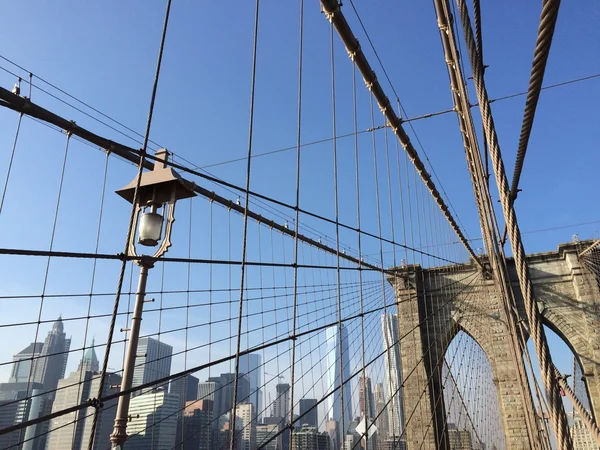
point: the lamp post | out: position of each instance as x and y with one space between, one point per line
158 190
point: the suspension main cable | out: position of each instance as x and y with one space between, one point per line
557 411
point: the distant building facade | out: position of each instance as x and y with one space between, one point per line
393 374
250 365
153 421
186 388
281 404
264 433
153 361
308 413
245 431
337 351
309 438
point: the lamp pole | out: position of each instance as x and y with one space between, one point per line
119 435
159 188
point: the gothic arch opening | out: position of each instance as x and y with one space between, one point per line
470 396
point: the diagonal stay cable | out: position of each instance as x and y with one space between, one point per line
335 15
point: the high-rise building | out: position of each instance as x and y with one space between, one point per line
309 438
194 431
250 365
153 361
16 406
264 433
89 362
308 413
73 430
47 369
579 385
331 428
245 426
281 404
283 440
337 352
52 362
367 402
186 388
210 391
582 438
223 392
393 374
153 421
381 422
23 361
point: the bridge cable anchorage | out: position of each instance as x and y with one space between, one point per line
487 216
587 418
557 412
548 19
336 16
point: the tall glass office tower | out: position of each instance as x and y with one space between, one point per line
337 347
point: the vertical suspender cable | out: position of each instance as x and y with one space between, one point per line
296 224
245 229
130 230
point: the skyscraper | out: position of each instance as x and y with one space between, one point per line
47 369
186 388
309 438
393 373
195 432
90 361
264 433
73 430
367 403
338 336
15 407
52 362
382 422
250 365
153 361
23 361
245 427
223 392
308 406
154 421
281 404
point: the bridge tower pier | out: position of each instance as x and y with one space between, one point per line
433 306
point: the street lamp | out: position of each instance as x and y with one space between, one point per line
159 190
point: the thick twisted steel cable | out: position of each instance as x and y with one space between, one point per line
538 68
586 417
479 179
557 412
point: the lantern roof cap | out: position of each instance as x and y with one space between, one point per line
157 185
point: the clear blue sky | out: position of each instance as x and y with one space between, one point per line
105 53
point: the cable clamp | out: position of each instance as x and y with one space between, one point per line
95 403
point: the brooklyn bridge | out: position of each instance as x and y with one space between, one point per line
305 225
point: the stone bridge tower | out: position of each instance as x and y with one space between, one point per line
435 304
